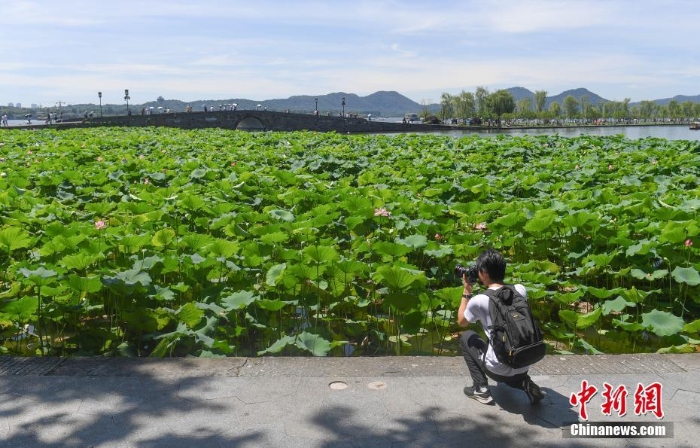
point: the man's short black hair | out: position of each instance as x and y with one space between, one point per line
492 262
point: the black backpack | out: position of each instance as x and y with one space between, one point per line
515 337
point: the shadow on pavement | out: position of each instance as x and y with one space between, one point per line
130 408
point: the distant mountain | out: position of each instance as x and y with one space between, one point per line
678 99
521 93
381 103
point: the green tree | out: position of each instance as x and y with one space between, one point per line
447 105
464 105
525 107
674 109
571 106
540 100
481 95
647 109
501 102
555 109
687 107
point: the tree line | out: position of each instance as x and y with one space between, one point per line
501 104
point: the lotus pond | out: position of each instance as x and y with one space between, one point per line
166 242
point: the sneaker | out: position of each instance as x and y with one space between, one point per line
533 391
481 397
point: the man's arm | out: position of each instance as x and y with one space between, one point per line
466 295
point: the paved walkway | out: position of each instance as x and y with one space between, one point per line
327 402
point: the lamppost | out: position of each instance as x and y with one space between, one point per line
343 103
316 108
127 98
99 94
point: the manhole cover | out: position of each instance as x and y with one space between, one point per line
376 385
338 385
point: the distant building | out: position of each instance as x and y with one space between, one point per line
18 104
33 106
10 104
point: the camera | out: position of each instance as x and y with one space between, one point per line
472 272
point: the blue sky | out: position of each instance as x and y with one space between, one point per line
69 50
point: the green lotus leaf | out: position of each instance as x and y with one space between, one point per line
348 266
569 316
586 320
198 173
616 305
399 279
662 323
579 219
274 274
510 220
542 220
603 293
321 254
634 295
202 334
283 215
278 345
192 202
238 300
146 320
21 309
641 248
402 301
12 238
196 241
41 272
164 237
391 249
313 343
413 241
688 276
223 248
130 277
569 297
673 232
692 327
274 238
587 347
271 305
84 284
190 315
134 243
80 261
641 275
163 294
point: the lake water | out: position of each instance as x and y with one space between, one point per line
675 132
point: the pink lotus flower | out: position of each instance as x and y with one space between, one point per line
146 181
480 226
611 167
99 159
438 237
99 225
688 242
381 212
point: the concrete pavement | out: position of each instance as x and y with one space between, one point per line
328 402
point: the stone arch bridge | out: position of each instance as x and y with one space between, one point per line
256 120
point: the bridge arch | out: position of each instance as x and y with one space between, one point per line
251 123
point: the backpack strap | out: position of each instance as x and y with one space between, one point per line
494 297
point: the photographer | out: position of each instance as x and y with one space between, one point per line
490 269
